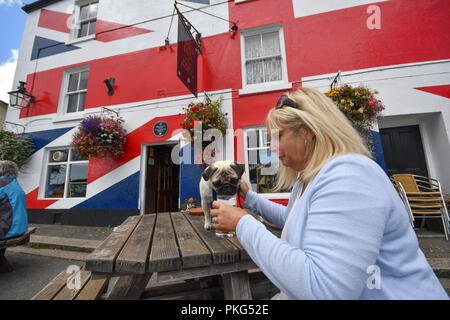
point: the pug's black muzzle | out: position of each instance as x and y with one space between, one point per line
228 190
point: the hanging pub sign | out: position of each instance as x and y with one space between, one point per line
187 56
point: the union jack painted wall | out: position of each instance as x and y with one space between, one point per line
399 47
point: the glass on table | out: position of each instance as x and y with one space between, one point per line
230 200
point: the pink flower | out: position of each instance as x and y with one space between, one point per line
357 94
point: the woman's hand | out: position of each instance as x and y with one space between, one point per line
243 189
226 217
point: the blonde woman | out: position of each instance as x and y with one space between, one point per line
346 234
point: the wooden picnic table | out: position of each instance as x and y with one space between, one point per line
176 247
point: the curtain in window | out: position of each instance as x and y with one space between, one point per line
263 58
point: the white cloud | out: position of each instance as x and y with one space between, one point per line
7 70
11 2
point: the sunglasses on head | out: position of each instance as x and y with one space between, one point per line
284 101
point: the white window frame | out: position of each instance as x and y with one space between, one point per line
76 22
282 84
261 130
68 162
64 93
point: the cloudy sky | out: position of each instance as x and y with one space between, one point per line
12 23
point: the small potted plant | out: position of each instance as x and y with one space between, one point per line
98 136
360 106
211 116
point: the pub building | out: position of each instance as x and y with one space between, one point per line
146 61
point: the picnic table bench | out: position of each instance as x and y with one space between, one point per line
12 242
86 289
176 247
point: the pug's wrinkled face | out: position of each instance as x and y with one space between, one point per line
226 185
224 177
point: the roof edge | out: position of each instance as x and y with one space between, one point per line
37 5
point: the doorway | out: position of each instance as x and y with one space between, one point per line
162 183
403 150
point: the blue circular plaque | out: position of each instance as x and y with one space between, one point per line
160 129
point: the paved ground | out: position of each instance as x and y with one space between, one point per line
31 273
50 254
435 247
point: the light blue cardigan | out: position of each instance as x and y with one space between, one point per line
349 227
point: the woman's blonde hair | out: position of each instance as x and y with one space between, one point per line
334 134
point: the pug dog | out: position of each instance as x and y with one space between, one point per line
224 177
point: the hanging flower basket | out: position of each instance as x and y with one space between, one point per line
16 148
211 117
360 106
99 136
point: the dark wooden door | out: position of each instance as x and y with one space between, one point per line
403 150
162 182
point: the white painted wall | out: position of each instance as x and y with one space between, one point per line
156 15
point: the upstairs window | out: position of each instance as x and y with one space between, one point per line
87 19
263 58
84 20
75 84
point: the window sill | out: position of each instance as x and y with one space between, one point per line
73 198
265 88
69 117
78 40
64 203
275 196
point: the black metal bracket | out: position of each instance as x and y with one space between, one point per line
17 124
198 38
105 109
188 26
335 80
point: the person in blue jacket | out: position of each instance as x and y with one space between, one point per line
345 231
13 209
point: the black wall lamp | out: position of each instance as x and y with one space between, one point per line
110 84
20 98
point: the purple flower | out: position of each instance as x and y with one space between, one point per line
91 125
